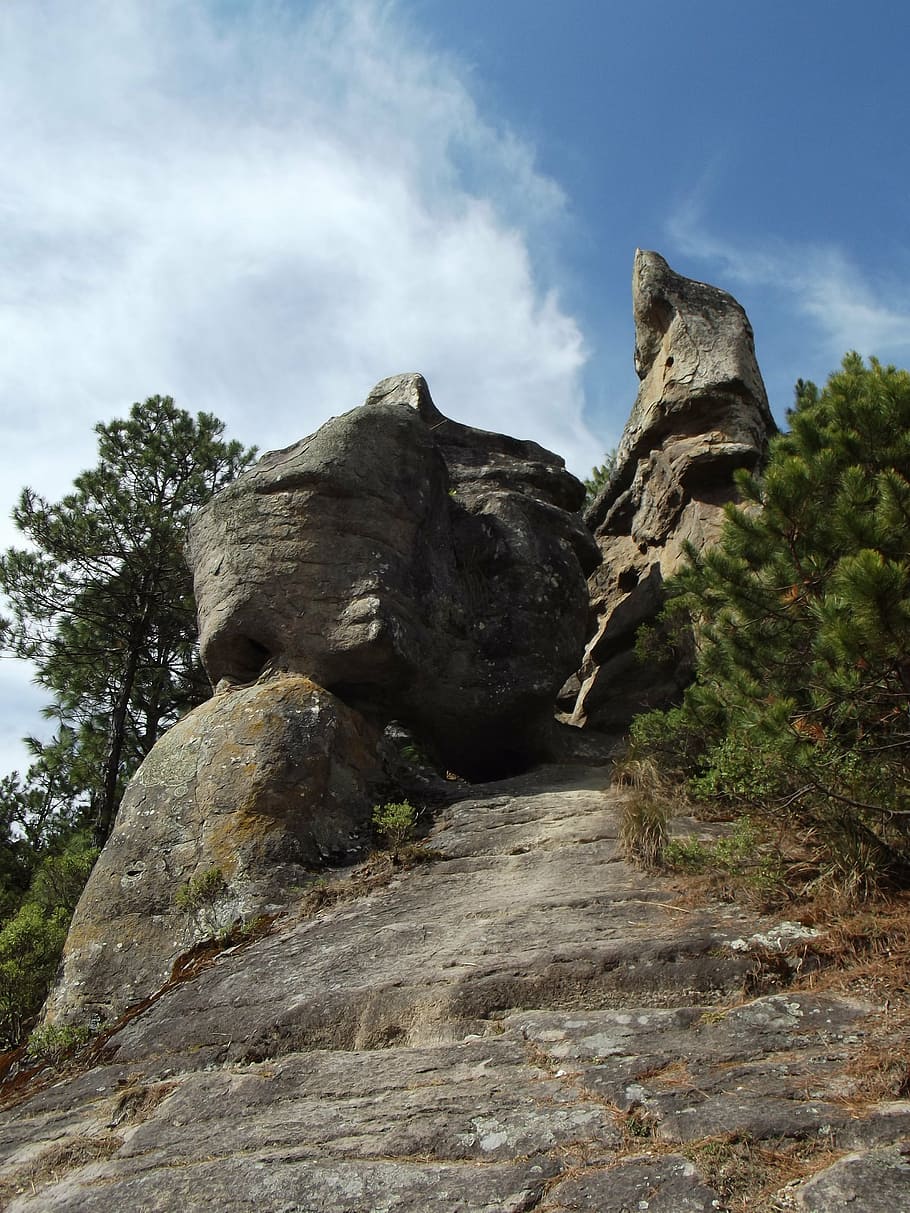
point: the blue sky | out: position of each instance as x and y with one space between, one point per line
262 208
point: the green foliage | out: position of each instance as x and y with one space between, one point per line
415 754
741 859
101 602
55 1043
30 946
600 476
32 938
395 822
199 899
59 879
670 738
800 709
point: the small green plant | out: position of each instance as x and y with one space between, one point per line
55 1043
199 898
739 858
201 890
687 855
395 822
415 754
638 1124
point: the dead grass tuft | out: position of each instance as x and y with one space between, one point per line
748 1174
136 1101
644 830
55 1162
673 1075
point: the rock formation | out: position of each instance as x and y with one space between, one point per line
422 571
262 785
524 1021
701 413
418 568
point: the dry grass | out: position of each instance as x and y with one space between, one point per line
749 1174
645 811
53 1163
862 952
136 1101
375 873
673 1075
643 831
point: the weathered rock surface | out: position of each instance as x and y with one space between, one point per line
263 783
420 569
701 413
525 1023
876 1181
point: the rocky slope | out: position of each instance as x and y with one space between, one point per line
523 1023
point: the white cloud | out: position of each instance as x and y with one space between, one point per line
847 310
261 210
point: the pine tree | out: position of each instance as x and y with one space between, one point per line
101 601
801 703
600 477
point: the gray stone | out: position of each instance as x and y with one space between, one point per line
263 783
525 1023
667 1183
701 413
875 1181
419 569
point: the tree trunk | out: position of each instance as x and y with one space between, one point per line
108 803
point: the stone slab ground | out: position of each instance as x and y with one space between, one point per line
524 1023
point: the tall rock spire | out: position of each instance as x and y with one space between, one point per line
701 412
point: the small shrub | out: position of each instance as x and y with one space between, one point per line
199 899
643 831
201 890
55 1043
600 477
30 947
415 754
738 858
395 822
687 855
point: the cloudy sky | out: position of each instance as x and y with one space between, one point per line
262 207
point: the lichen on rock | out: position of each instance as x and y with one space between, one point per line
263 784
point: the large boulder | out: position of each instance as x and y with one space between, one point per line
701 413
241 800
420 569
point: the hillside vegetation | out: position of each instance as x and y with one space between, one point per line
798 714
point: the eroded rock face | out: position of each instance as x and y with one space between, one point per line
263 783
701 413
420 569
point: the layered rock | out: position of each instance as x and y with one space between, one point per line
701 413
526 1023
254 789
420 569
